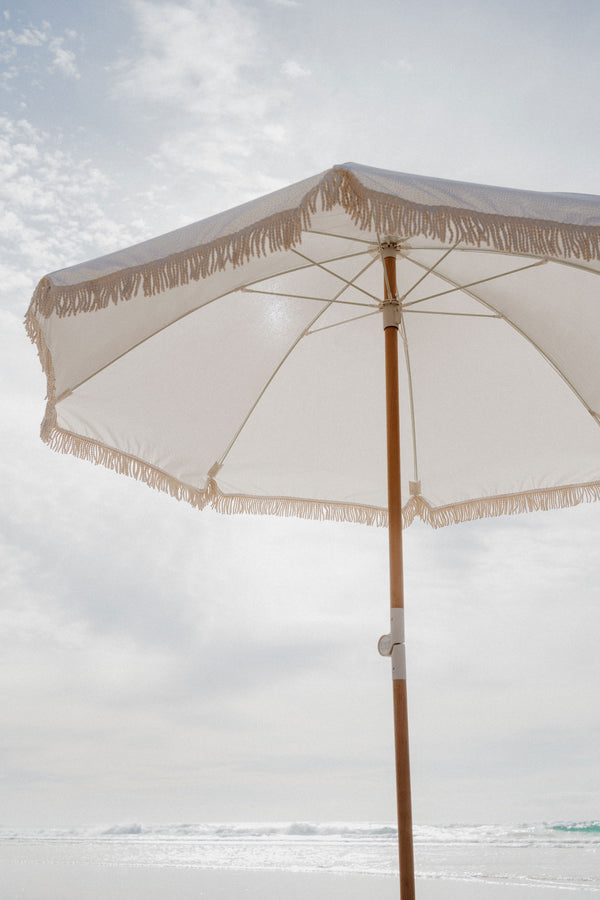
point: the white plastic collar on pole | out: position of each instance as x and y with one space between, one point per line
391 313
392 644
399 662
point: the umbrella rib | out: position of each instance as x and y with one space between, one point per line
525 336
344 256
491 251
133 347
306 297
427 272
464 249
441 312
328 300
352 318
263 390
556 368
299 268
245 289
346 321
458 287
341 278
148 337
304 333
343 237
252 290
404 336
294 269
569 263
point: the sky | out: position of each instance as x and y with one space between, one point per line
160 664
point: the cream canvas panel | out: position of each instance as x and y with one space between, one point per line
497 419
318 431
84 343
177 399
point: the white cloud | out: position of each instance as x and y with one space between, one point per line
64 60
294 69
14 47
55 208
198 55
29 37
204 66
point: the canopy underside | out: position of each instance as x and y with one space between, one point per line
246 374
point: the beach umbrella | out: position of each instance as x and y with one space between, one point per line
287 356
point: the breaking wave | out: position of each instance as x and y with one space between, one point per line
322 831
552 854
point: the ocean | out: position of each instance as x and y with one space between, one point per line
143 860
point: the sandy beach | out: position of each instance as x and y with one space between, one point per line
26 879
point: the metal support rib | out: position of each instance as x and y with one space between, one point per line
403 335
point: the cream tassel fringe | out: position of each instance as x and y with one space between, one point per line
504 505
369 209
236 504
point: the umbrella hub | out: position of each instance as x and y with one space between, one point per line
391 303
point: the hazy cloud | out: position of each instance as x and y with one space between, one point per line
200 56
207 66
294 69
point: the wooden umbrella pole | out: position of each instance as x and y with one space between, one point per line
403 795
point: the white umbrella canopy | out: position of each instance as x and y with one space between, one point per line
239 362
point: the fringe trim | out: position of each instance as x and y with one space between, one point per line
324 511
212 496
241 504
368 209
541 500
